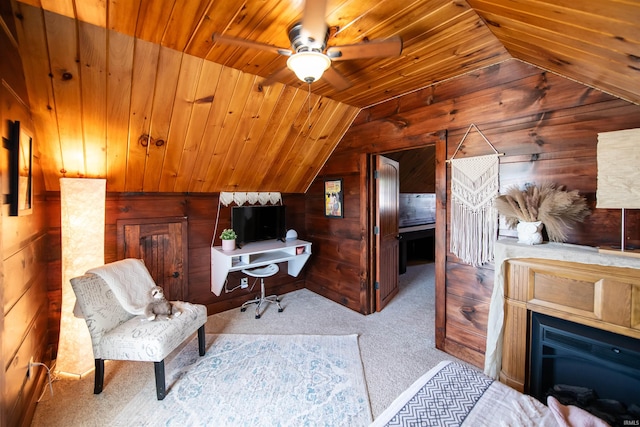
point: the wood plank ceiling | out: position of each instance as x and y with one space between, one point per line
137 92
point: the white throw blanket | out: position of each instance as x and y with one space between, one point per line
130 282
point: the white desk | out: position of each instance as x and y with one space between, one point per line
256 254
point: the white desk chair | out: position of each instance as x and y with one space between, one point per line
262 272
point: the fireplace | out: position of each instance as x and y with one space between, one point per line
577 284
596 370
569 282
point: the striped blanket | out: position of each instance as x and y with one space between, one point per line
452 394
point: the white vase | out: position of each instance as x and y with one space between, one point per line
530 233
228 245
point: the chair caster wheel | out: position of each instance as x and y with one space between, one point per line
257 316
243 309
280 310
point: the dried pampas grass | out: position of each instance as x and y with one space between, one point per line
558 209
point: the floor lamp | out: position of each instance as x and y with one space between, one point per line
82 217
619 176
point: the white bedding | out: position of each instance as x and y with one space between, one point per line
452 394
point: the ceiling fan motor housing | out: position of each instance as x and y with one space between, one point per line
301 43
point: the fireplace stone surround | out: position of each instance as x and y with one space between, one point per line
571 282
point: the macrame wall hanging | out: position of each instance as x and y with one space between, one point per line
474 218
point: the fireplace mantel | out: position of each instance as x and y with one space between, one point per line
599 275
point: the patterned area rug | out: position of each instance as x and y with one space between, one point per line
259 380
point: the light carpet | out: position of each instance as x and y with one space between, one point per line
259 380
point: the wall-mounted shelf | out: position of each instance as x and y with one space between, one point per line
257 254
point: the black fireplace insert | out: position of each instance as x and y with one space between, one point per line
596 370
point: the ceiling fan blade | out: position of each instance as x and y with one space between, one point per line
370 49
235 41
276 76
314 27
335 79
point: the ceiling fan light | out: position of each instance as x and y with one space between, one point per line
308 66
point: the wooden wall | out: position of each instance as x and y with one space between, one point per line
545 124
23 245
200 211
417 169
334 268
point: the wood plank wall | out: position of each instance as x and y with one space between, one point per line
23 245
547 126
338 242
417 169
200 211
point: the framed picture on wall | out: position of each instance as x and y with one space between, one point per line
20 170
333 198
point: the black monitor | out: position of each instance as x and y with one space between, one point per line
258 223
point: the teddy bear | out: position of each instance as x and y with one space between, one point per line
159 307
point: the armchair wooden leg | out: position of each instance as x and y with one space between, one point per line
99 376
201 340
160 384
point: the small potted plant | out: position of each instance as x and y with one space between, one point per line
535 206
228 237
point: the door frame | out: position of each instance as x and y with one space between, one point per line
368 208
441 240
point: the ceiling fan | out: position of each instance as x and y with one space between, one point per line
309 57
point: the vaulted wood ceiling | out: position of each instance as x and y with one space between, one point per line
137 92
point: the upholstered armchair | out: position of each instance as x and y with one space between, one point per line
112 299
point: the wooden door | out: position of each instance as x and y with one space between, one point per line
387 246
162 244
